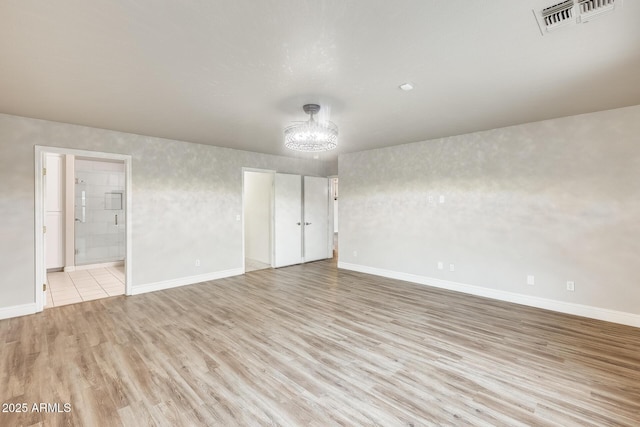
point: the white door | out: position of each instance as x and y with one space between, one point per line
316 218
288 220
54 209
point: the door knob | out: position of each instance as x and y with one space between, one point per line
307 223
298 223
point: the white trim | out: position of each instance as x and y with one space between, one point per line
17 310
183 281
40 267
621 317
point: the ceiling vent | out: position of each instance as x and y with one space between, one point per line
590 9
558 15
572 12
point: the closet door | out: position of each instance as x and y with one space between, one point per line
316 218
288 220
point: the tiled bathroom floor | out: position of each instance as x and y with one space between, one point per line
84 285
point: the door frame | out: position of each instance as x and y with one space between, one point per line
40 265
272 215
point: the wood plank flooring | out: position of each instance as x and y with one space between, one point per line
310 345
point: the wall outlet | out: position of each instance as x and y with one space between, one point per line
355 254
531 280
440 265
430 199
198 262
237 217
571 286
452 267
441 198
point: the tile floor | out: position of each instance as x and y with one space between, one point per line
84 285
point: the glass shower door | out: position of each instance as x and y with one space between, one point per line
99 212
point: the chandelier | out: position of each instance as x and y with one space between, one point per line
311 136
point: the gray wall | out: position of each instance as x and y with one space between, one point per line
558 199
185 201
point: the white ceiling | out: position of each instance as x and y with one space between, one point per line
234 73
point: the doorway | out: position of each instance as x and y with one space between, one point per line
83 229
257 219
286 219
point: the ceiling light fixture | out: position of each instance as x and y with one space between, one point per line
312 135
406 87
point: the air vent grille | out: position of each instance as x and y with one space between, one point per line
558 14
571 12
592 5
589 9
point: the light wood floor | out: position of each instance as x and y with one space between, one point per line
313 346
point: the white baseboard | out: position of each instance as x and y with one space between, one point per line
621 317
174 283
17 310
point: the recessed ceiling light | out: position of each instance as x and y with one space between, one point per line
406 86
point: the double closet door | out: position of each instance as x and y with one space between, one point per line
301 210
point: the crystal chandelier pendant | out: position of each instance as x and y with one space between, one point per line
312 135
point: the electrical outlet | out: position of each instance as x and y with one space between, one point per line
452 267
355 254
237 217
198 262
430 199
441 198
531 280
440 265
571 286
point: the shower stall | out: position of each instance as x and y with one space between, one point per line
99 211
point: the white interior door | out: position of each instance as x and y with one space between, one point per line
316 218
54 209
288 220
